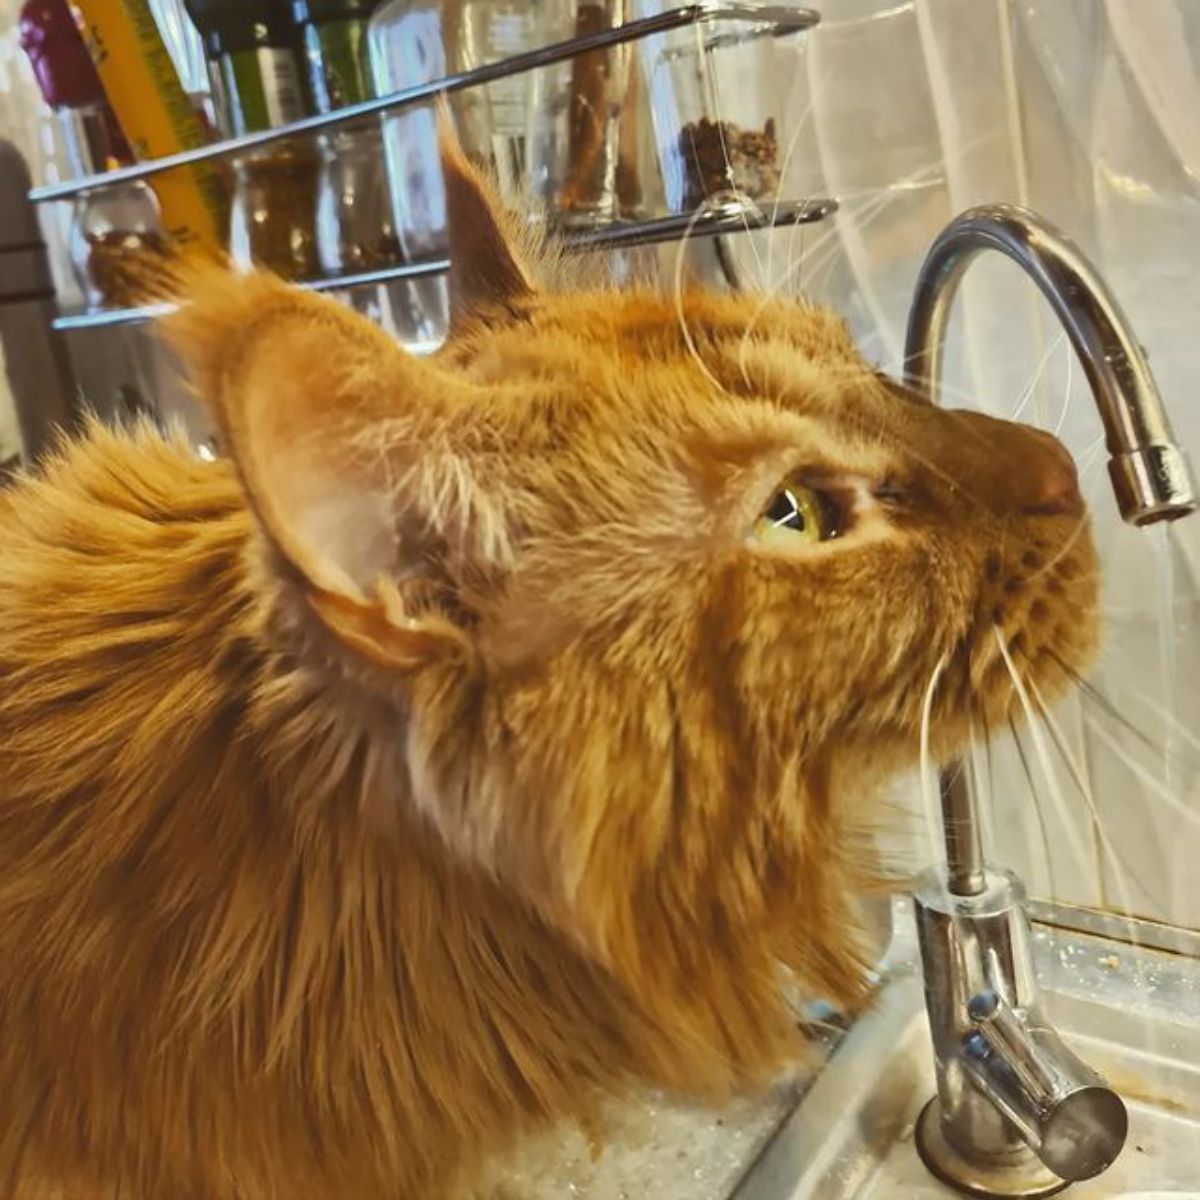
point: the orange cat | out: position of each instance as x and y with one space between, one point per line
489 734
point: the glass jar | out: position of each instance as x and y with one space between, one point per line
116 241
355 229
493 120
407 47
580 113
256 74
721 120
354 211
418 41
116 244
273 217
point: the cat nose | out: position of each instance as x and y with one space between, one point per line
1014 467
1052 484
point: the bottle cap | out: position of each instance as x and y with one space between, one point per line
64 70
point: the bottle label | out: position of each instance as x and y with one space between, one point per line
263 86
338 70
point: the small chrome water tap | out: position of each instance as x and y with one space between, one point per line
1017 1114
1150 472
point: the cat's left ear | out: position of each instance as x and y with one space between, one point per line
338 437
489 278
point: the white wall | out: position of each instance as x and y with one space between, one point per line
1088 112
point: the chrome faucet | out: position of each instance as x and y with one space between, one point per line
1017 1114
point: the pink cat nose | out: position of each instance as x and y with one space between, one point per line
1009 467
1052 483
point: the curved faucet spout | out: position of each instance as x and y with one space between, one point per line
1016 1113
1150 472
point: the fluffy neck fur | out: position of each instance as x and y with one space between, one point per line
268 917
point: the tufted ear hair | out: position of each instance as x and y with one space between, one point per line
328 422
488 275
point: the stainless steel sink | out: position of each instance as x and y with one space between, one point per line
1131 1011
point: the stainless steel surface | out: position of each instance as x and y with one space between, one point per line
783 18
961 832
1135 931
1017 1113
1133 1012
720 219
1149 470
35 361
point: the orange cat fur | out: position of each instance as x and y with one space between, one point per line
456 753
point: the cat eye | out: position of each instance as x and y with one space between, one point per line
796 514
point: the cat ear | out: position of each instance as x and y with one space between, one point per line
487 275
316 407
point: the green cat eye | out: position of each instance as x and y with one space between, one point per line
796 513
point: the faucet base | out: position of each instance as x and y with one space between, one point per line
1018 1175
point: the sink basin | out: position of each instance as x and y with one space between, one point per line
1131 1012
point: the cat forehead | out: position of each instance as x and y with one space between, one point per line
614 355
652 327
643 381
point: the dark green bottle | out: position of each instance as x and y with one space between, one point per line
333 35
252 53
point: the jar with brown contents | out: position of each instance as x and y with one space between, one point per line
722 157
120 267
274 210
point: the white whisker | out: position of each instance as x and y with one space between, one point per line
1039 745
1156 786
930 793
1122 873
1062 416
1039 371
678 298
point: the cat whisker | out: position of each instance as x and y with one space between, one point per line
774 287
1123 875
1062 416
1039 746
1164 714
1090 692
801 125
677 293
932 173
743 202
1147 777
1039 371
930 794
1039 811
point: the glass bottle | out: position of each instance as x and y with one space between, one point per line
250 45
184 45
581 113
418 41
493 120
354 213
116 240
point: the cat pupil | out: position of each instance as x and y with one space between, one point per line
785 511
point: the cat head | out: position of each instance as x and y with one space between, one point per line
646 586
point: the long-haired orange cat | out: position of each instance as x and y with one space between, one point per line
490 734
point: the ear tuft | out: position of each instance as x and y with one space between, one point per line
486 268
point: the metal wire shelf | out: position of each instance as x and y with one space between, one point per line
728 218
776 20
